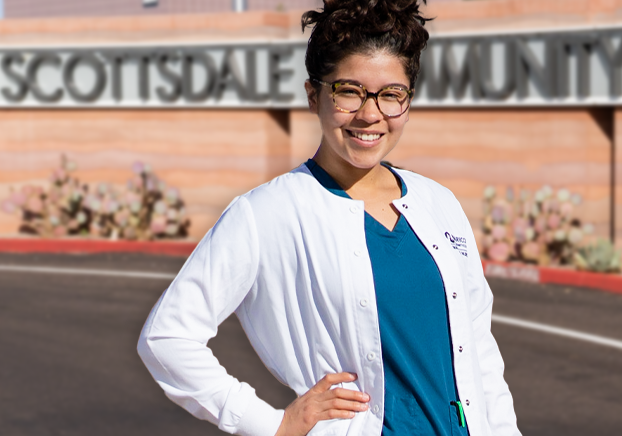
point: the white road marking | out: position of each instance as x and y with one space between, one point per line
559 331
87 272
501 319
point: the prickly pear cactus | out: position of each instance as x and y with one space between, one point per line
56 212
145 209
536 227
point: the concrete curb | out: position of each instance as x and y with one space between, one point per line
90 246
560 276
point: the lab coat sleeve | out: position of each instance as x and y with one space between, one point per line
499 404
210 286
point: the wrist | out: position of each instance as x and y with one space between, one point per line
282 430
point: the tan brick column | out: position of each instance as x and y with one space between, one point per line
617 162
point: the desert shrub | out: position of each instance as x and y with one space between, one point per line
600 256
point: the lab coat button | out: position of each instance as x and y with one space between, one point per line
454 295
363 302
435 246
354 209
358 253
375 409
467 402
460 348
371 356
405 206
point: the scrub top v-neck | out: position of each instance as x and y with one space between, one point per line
420 391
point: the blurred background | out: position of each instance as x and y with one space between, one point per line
515 95
138 121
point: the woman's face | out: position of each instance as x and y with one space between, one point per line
361 139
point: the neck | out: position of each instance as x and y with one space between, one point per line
348 176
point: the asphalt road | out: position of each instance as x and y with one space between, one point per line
68 363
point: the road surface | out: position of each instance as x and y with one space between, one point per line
69 365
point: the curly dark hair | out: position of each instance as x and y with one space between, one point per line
346 27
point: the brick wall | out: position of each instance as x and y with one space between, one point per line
213 155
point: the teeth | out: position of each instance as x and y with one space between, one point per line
366 136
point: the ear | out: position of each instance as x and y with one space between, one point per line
312 97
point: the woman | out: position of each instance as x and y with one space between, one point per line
359 285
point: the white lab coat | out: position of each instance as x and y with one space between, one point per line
290 259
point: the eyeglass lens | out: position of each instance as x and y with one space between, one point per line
391 101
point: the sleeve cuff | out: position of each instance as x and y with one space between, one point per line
259 419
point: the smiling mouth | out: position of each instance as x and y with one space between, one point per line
369 137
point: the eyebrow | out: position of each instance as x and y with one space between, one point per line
356 82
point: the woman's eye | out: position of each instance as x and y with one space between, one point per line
391 96
349 92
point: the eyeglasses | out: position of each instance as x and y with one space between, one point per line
391 101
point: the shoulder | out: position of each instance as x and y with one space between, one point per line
271 205
282 188
286 199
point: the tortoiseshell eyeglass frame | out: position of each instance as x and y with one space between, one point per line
368 94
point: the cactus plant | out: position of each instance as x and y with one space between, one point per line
600 256
535 228
145 209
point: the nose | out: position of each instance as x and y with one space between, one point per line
369 112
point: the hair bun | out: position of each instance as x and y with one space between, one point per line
353 26
371 16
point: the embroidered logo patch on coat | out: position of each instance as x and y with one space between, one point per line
458 242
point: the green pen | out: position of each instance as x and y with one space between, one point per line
461 419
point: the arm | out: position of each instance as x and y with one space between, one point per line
499 404
210 286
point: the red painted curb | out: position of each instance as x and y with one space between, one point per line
560 276
516 271
86 246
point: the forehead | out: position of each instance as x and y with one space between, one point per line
373 70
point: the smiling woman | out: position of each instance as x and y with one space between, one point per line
340 271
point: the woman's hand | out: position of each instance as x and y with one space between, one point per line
321 403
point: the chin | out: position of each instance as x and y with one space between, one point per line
364 162
367 158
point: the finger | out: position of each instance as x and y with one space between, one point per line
346 394
339 404
335 414
332 379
